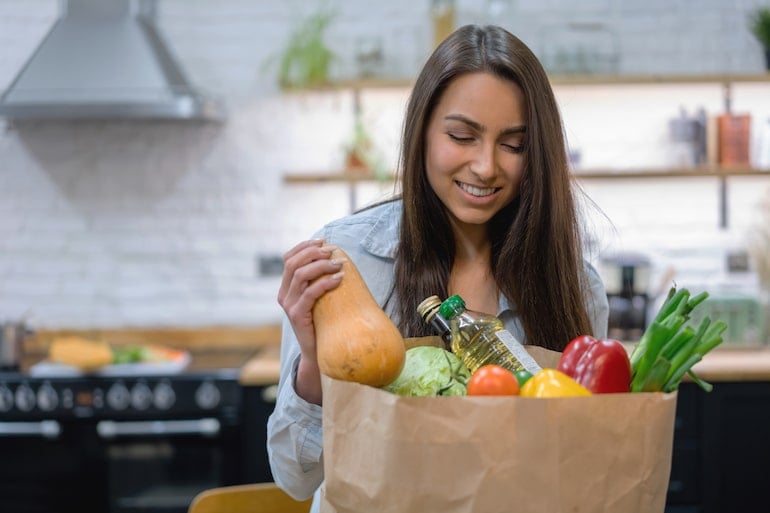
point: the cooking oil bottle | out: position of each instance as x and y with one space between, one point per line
478 339
429 311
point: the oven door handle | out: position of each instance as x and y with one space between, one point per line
49 429
113 429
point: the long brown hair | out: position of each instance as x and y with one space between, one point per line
537 258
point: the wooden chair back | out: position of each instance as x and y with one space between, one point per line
250 498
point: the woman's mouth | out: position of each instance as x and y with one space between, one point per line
479 192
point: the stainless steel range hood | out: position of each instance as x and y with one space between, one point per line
104 59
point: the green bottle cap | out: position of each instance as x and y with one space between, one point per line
451 307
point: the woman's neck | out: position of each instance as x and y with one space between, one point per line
471 275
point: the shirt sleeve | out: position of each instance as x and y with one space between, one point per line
294 433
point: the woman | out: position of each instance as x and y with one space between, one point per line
487 212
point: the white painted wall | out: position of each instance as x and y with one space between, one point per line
142 224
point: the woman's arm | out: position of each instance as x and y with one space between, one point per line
294 437
294 434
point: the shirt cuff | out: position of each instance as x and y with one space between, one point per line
301 409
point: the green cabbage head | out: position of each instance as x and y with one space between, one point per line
430 371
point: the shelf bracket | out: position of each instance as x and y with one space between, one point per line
723 221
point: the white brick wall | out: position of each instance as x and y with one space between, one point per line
141 224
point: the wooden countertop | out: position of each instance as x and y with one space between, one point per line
726 363
735 364
263 369
722 364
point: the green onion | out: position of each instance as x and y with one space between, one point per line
670 346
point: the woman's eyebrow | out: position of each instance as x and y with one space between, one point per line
520 129
462 119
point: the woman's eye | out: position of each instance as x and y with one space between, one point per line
513 148
460 138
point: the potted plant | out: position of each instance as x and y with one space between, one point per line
306 59
759 23
361 157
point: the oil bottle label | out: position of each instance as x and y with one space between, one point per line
517 350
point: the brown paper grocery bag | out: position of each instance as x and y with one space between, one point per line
607 453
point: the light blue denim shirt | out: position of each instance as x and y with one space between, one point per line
370 238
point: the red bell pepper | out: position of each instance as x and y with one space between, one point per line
600 365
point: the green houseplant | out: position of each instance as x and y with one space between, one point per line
759 23
306 59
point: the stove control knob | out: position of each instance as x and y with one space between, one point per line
25 398
47 399
207 396
67 399
6 398
118 397
164 396
141 396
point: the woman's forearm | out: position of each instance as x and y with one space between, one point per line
308 381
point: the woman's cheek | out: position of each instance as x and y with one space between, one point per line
445 158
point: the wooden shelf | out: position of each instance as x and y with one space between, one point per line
406 83
725 81
588 174
657 79
713 172
333 177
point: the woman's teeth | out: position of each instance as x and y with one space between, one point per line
476 191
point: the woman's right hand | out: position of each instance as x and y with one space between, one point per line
308 272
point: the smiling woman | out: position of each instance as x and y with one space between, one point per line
487 212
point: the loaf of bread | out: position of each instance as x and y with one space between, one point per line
80 352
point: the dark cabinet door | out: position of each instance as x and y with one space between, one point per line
684 488
258 404
735 439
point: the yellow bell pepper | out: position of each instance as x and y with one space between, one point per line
552 383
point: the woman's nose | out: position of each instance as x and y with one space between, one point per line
484 163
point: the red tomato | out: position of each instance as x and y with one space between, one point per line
493 380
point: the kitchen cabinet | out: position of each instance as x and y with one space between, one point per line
258 404
721 448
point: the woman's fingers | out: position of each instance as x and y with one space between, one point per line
309 272
309 282
293 259
303 264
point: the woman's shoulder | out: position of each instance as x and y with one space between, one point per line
368 216
374 228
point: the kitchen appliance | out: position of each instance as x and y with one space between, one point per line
130 443
626 278
105 59
12 336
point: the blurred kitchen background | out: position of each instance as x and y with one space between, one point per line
137 222
133 212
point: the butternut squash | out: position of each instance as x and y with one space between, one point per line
355 339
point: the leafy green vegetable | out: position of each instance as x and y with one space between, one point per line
669 347
129 354
430 371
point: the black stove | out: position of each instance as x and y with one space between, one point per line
125 443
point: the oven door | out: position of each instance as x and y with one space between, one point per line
158 466
50 467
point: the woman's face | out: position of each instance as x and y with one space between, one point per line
474 147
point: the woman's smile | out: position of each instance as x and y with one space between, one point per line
479 192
